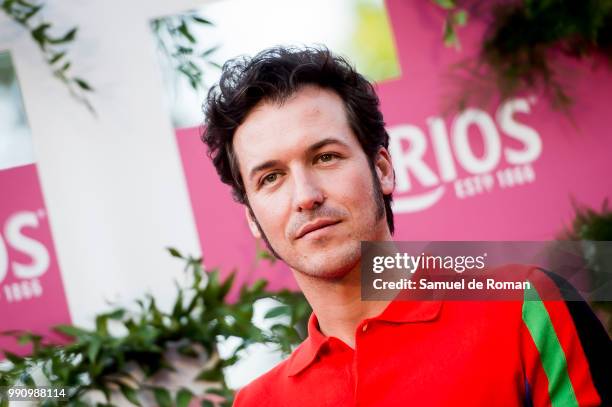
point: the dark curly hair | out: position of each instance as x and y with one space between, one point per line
275 75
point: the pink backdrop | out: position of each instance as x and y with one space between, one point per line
504 173
31 290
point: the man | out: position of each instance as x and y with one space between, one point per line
298 135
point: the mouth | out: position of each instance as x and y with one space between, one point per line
315 226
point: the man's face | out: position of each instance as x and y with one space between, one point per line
309 183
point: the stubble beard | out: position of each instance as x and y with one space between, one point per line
344 262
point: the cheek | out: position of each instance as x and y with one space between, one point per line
271 212
354 187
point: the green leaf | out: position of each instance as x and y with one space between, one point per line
460 17
82 84
102 320
450 36
162 396
209 51
265 255
213 286
280 329
183 29
216 65
70 330
39 34
227 285
130 394
119 313
207 403
446 4
183 50
210 375
57 57
278 311
65 67
194 83
28 337
69 36
93 349
230 361
177 310
183 397
259 286
200 20
101 325
192 304
174 252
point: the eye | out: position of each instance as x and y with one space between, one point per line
327 157
270 178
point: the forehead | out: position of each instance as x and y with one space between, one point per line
273 130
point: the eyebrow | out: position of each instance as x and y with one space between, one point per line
316 146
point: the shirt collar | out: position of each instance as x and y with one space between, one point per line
397 311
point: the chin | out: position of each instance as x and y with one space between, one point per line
331 274
330 266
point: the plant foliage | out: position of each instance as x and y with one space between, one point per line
201 317
592 225
177 40
524 39
53 47
455 18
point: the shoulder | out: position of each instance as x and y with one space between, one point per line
264 391
564 343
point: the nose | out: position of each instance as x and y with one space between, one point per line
308 194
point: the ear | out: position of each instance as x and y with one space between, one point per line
384 171
252 224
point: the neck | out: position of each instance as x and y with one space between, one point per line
337 303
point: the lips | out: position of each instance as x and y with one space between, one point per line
315 225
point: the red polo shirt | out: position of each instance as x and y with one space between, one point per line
434 353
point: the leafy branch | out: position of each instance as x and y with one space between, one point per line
524 40
200 318
52 47
177 41
456 17
592 225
